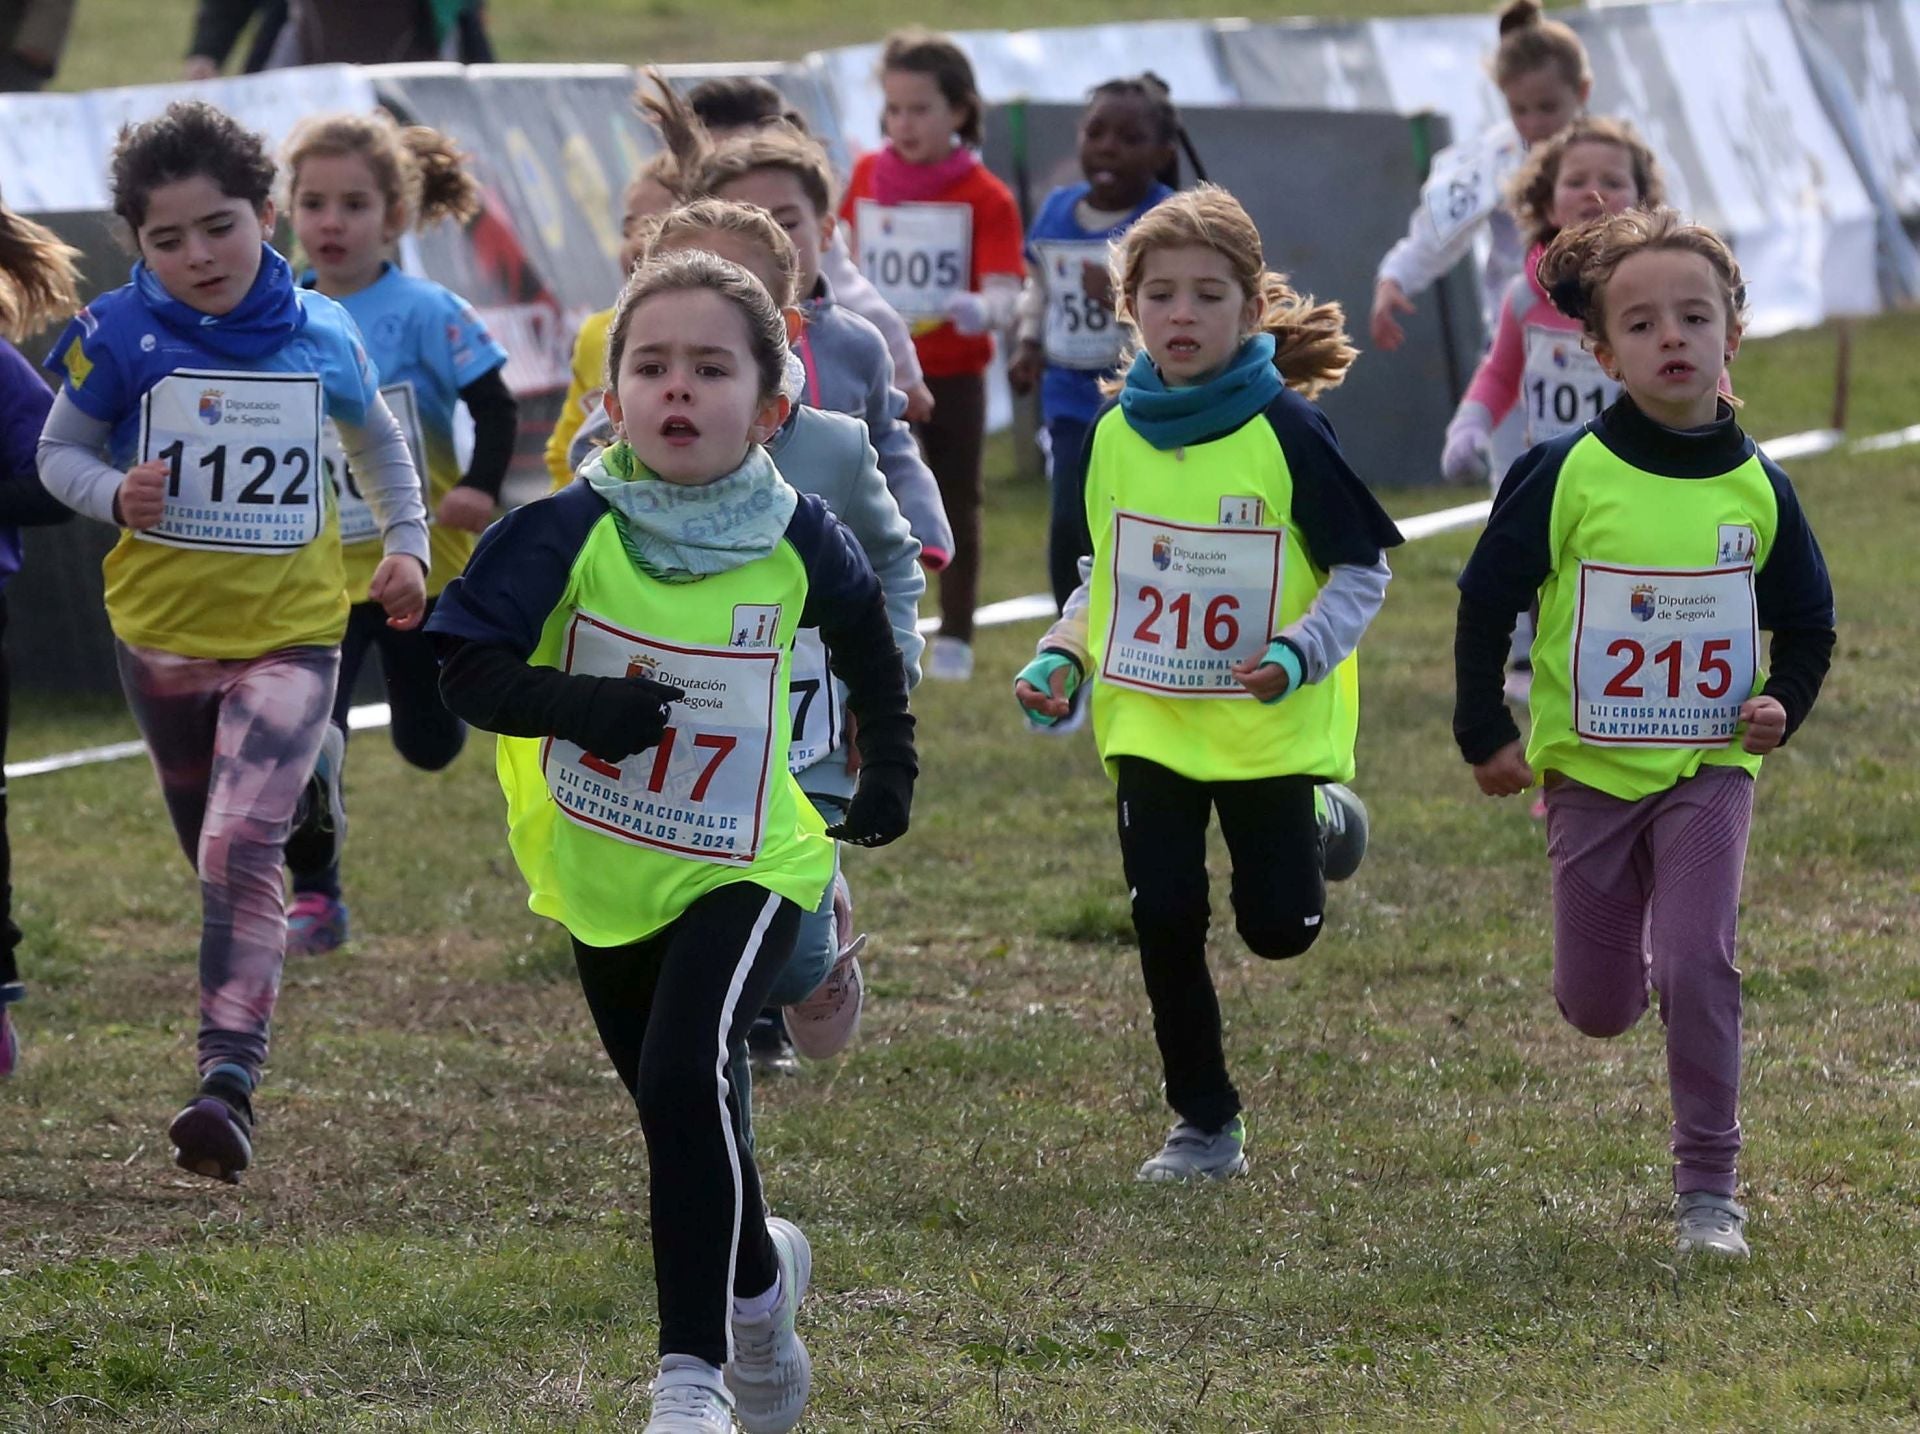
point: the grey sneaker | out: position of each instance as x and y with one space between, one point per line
1710 1225
1343 830
770 1373
1195 1154
690 1401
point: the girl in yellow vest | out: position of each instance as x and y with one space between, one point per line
1237 561
630 639
1658 541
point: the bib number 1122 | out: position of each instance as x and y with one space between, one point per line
262 460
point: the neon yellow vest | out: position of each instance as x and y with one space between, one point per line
614 853
1243 479
1636 557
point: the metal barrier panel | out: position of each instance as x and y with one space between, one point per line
1330 192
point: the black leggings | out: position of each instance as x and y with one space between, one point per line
425 733
1279 896
671 1010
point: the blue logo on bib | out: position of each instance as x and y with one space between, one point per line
210 406
1162 552
1641 602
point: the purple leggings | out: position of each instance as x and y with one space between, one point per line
233 743
1650 891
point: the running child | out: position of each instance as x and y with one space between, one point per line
1542 72
1592 168
206 381
1237 561
847 366
358 182
629 639
1069 338
817 998
38 284
1658 542
732 105
940 238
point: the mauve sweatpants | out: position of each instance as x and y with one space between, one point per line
1647 894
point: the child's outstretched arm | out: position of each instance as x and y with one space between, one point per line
1509 563
878 525
914 489
377 449
1490 397
1044 688
1794 595
845 602
489 620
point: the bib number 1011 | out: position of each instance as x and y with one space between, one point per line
260 466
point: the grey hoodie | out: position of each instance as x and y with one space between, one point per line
849 371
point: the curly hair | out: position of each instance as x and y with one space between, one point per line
1578 265
1530 191
421 173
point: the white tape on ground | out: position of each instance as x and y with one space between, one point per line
1039 605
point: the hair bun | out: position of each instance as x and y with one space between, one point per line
1569 296
1520 14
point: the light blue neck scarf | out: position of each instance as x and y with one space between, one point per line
677 533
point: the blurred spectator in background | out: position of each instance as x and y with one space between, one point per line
32 35
357 32
217 25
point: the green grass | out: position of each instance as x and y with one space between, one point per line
648 31
1456 1216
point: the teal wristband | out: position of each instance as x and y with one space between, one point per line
1283 656
1039 673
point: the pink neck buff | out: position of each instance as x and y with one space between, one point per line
897 182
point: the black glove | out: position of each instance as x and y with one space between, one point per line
621 716
881 802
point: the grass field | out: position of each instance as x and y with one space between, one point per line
1457 1214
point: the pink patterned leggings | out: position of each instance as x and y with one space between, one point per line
233 743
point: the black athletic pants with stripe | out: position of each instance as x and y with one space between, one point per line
670 1009
1279 896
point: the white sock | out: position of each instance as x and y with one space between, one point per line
760 1306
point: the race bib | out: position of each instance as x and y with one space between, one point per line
702 792
1663 658
1564 386
816 699
357 521
1188 603
917 255
243 458
1081 332
1459 194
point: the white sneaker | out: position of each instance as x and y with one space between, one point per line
770 1374
691 1401
825 1020
1710 1224
1195 1154
950 660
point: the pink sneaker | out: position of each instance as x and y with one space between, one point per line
10 992
823 1023
315 924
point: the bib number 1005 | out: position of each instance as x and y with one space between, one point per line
260 475
1219 620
